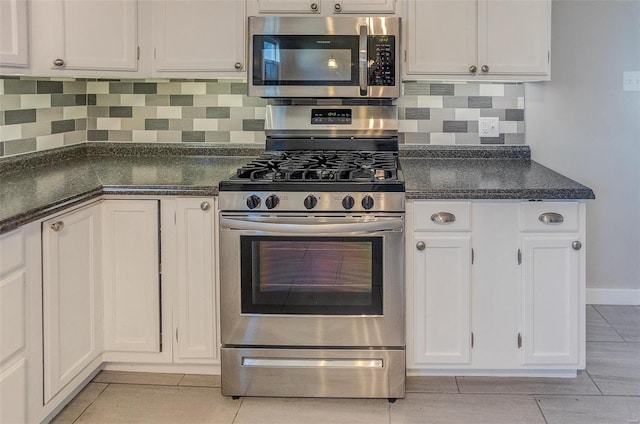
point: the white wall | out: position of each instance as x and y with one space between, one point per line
583 125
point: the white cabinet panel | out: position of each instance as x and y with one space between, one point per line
14 34
551 295
287 6
324 7
92 35
13 393
514 36
364 7
196 326
441 301
441 36
71 296
13 310
202 35
131 276
13 328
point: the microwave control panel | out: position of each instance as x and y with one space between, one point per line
382 59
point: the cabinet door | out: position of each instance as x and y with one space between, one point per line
93 35
202 35
196 326
13 328
287 6
14 33
442 277
71 296
131 276
551 306
514 36
363 6
441 36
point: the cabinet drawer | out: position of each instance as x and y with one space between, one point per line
550 216
442 216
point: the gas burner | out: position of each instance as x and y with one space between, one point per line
339 166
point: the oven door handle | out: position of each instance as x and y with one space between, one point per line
316 228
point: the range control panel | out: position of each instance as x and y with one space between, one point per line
331 116
382 57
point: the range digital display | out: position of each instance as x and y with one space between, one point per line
331 116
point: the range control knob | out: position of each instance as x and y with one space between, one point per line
272 201
253 201
348 202
367 202
310 201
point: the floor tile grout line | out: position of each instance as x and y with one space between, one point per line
235 416
610 325
90 403
535 399
594 381
457 385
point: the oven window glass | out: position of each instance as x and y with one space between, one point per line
305 60
311 275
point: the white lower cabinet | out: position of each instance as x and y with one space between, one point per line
553 275
195 311
441 269
490 291
13 328
130 240
72 296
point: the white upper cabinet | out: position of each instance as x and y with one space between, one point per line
322 7
78 36
199 36
514 37
14 34
478 39
441 36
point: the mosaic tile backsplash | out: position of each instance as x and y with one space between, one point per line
40 114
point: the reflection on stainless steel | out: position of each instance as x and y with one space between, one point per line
312 268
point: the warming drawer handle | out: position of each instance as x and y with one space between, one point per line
296 228
551 218
443 218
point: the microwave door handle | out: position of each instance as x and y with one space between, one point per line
362 60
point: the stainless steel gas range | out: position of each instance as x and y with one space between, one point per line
312 258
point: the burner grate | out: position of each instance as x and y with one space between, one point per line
329 166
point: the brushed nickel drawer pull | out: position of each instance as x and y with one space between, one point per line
551 218
443 218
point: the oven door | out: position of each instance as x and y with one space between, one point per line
306 280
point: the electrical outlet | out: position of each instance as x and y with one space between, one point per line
489 127
631 81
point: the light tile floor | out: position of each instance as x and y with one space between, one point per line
607 392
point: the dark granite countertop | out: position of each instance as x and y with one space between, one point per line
41 184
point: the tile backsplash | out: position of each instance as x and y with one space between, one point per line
41 113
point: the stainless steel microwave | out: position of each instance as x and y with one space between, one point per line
315 57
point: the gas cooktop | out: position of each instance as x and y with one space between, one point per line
333 170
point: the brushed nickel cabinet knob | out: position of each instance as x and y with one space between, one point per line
57 226
58 62
420 245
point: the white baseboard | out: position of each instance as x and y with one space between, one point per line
613 296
